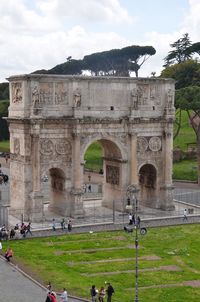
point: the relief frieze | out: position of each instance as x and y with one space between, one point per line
112 175
16 92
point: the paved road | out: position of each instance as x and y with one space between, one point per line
15 286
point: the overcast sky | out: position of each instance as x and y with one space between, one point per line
37 34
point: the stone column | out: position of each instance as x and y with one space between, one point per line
36 163
134 172
167 187
77 191
34 211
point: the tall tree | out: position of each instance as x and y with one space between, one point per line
188 99
180 51
187 96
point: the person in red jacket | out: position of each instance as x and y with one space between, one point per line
8 254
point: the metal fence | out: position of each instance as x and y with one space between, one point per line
95 213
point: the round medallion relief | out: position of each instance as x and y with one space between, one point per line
142 144
63 147
155 143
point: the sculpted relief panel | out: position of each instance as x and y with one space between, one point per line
49 94
112 175
55 149
16 88
144 94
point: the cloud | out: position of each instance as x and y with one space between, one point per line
191 23
90 10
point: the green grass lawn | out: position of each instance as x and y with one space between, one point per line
186 134
5 146
93 157
185 170
168 257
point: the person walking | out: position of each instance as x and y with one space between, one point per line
185 215
28 229
110 291
63 295
93 293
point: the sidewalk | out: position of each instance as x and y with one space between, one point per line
17 286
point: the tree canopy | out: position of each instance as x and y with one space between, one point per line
114 62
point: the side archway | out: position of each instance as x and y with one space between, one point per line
148 185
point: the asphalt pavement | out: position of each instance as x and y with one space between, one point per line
17 286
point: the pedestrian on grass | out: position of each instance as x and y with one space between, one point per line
93 293
110 291
102 294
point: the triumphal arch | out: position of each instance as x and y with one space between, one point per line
52 121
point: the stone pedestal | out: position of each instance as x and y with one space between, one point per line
77 206
34 209
166 198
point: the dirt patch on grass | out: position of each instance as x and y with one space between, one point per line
149 258
91 250
163 268
192 283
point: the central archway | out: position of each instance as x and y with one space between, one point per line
107 177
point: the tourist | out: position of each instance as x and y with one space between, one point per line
16 227
63 295
109 291
185 215
1 246
89 188
133 219
93 293
53 225
69 225
102 294
138 221
53 296
62 223
23 230
130 219
12 233
9 254
28 229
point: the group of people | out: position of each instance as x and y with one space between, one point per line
101 294
62 224
134 220
52 296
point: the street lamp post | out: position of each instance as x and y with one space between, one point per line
136 250
131 195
